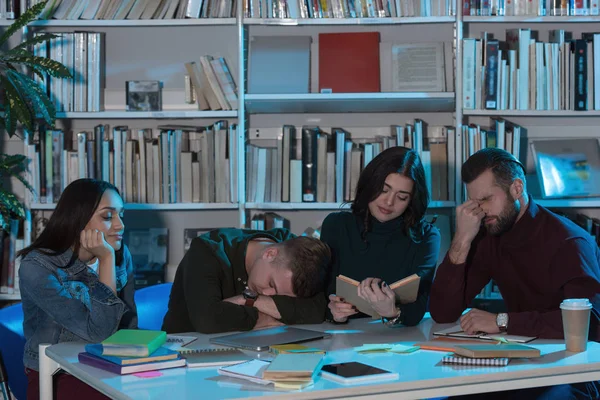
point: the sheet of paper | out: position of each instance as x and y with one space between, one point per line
400 348
177 342
372 348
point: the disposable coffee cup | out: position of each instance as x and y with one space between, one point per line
576 323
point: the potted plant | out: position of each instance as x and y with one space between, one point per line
22 101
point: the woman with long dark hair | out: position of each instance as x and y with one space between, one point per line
384 239
76 279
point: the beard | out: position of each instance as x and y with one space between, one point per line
506 219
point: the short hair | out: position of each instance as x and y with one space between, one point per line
309 259
504 166
403 161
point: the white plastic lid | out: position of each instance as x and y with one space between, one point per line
576 304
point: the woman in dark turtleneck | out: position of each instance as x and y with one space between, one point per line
384 238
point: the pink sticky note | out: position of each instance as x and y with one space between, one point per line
148 374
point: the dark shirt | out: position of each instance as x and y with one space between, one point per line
542 260
214 269
388 253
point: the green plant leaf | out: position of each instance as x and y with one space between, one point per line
9 122
17 103
38 98
41 38
29 15
54 68
12 204
9 161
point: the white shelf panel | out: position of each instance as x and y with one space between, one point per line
6 297
349 103
570 203
324 206
534 19
146 114
80 23
163 207
348 21
531 113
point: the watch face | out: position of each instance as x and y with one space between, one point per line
502 319
249 294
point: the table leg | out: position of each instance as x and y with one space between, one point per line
48 368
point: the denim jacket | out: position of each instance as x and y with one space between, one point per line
71 304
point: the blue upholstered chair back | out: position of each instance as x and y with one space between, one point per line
12 343
151 305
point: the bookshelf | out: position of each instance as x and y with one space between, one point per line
230 38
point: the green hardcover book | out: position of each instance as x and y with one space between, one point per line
133 343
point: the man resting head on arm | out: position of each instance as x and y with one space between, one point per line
236 279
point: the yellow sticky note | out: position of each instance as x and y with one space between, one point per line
371 348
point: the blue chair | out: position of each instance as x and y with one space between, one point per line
12 342
152 303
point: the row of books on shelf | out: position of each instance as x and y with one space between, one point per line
348 8
522 73
209 84
173 164
533 7
10 245
348 62
501 133
126 9
82 54
325 167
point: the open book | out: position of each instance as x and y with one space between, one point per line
456 331
406 292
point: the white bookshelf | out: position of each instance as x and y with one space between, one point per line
325 206
156 207
531 113
93 23
348 21
529 19
187 114
349 103
10 297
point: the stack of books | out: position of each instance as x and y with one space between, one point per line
489 354
131 351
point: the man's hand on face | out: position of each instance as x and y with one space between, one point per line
468 221
239 300
479 321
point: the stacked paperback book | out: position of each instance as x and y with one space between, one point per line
132 351
497 355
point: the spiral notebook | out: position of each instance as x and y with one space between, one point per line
497 362
213 357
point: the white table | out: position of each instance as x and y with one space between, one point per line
421 374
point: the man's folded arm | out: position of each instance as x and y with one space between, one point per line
294 310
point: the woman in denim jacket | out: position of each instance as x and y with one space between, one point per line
76 280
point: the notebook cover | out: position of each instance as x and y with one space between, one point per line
293 366
279 64
496 350
457 332
161 354
349 62
249 370
133 342
97 362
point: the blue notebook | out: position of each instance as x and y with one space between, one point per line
161 354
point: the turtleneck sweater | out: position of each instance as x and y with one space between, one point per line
542 260
387 253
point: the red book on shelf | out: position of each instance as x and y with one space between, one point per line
349 62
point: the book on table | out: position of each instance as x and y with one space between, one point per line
102 363
133 342
503 350
161 354
406 291
457 332
294 367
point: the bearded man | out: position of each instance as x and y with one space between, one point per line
536 257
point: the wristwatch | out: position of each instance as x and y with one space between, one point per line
502 321
393 321
250 296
